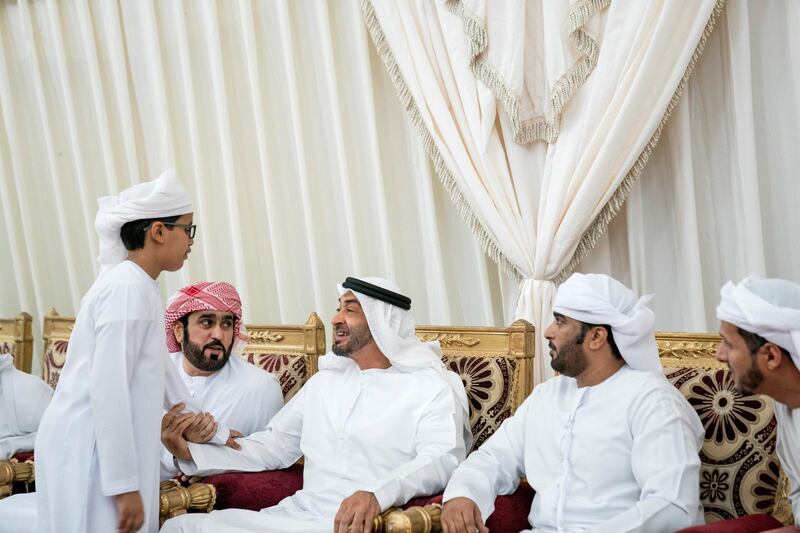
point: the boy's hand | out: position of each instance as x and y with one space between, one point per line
130 511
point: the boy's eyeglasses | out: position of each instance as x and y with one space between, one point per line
190 229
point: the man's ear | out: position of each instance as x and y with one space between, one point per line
177 330
598 336
773 356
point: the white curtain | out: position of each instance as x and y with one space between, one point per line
94 97
280 118
484 82
719 198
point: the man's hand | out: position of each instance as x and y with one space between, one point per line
173 424
130 511
461 515
202 429
186 479
356 513
231 443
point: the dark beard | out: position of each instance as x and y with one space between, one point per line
359 337
569 360
194 354
751 380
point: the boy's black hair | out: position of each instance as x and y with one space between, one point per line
132 233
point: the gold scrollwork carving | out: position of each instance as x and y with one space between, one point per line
449 340
687 350
264 336
782 506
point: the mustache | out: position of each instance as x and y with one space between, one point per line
214 344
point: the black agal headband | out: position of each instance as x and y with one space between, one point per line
384 295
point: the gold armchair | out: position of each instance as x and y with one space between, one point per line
289 352
740 472
496 366
16 338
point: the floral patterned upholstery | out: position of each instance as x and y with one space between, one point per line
54 357
495 365
288 352
16 338
740 471
56 332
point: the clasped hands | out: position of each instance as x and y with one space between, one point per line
179 429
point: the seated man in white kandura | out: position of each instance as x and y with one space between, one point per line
23 399
381 422
609 445
203 325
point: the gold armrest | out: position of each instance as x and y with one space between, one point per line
12 471
175 499
782 509
427 519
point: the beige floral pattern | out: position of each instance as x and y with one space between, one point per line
488 382
739 473
54 359
290 369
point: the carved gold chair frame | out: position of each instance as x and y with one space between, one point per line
17 332
515 342
306 341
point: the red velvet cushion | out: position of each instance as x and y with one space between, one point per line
23 456
256 490
747 524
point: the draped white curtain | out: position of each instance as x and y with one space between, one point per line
305 169
474 75
719 197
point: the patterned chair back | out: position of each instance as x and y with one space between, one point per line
496 366
288 352
56 332
740 473
16 338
